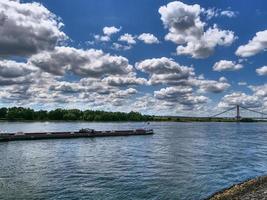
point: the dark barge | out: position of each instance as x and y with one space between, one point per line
83 133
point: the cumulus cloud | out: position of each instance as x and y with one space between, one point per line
92 63
101 80
171 93
215 12
184 87
110 30
124 80
66 87
262 71
13 69
228 13
226 65
223 79
102 38
128 38
27 28
164 70
240 98
32 89
180 95
148 38
163 65
120 47
125 93
45 89
254 46
167 71
188 31
211 85
260 90
12 72
146 103
120 97
242 83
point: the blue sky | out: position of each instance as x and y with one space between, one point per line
77 65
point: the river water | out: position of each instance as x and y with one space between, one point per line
180 161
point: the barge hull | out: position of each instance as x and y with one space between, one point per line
70 135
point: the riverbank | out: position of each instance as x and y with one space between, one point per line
254 189
65 115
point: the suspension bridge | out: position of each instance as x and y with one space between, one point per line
237 110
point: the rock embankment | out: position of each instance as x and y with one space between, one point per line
254 189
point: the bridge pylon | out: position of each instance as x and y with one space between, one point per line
238 117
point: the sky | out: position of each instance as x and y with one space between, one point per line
159 57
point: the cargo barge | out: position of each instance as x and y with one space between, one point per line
83 133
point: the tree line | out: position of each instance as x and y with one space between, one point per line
20 113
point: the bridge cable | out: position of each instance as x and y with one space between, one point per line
222 112
253 111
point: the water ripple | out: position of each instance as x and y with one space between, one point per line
181 161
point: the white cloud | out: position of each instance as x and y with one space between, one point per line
211 12
242 83
102 38
66 87
102 80
148 38
254 46
239 98
180 95
13 69
171 92
228 13
184 89
124 80
120 97
110 30
223 79
259 91
146 103
27 28
188 31
163 66
211 85
215 12
88 63
226 65
120 47
165 71
262 71
46 89
128 38
12 72
124 93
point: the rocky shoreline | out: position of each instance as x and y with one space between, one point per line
253 189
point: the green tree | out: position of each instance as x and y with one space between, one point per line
3 112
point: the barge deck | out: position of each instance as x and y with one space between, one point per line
83 133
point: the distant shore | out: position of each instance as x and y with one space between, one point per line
158 119
70 115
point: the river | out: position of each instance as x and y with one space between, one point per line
180 161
